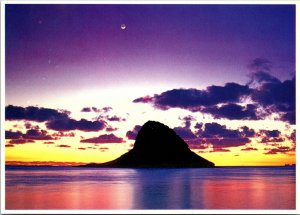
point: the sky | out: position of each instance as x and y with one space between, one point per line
80 80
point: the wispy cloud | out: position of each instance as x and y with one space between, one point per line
105 138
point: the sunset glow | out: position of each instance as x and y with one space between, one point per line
80 80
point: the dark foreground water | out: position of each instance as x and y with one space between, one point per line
92 188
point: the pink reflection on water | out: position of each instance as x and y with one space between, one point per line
151 189
72 196
248 194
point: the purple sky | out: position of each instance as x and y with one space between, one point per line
52 48
222 76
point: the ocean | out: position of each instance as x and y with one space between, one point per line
55 188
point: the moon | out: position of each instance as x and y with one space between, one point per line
123 26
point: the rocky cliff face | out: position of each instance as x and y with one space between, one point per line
157 145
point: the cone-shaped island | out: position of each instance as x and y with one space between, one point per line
157 146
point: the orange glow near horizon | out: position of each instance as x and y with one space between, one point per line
38 153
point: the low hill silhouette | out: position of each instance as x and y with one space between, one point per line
157 146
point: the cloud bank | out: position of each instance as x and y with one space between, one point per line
261 97
58 120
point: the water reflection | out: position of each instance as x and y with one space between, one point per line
71 189
157 189
224 188
184 189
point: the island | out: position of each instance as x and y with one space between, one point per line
157 146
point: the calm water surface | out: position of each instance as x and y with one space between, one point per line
94 188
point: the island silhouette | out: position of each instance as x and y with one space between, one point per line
157 146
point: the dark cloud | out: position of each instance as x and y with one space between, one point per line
280 149
272 139
131 135
58 120
268 136
289 116
145 99
105 138
198 125
90 109
37 135
67 124
110 129
96 110
185 133
105 116
278 97
86 109
249 149
233 111
193 99
227 142
31 134
28 125
270 133
187 120
292 136
20 141
195 145
219 136
63 134
9 145
274 144
265 94
33 113
80 148
49 142
13 134
222 137
231 92
115 118
214 130
106 109
219 150
262 78
247 132
63 146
